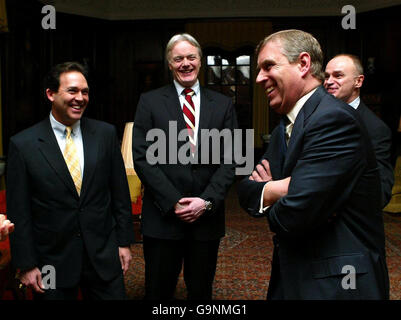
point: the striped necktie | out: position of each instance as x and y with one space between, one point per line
72 160
189 116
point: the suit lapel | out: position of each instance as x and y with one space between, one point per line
91 147
361 108
206 110
173 106
295 144
50 149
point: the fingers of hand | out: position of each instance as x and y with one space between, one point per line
262 172
266 165
256 176
33 279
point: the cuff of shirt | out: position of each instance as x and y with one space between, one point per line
261 208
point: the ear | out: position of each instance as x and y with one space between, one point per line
304 62
359 81
50 94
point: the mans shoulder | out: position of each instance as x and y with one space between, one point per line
372 121
28 134
97 124
333 109
214 94
159 91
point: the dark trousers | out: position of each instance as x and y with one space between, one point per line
275 291
163 264
91 285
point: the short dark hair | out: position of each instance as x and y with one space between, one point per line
52 79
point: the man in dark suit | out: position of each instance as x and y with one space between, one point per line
343 79
321 193
183 205
67 193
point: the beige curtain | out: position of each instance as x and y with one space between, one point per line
231 36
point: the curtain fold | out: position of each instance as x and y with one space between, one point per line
3 16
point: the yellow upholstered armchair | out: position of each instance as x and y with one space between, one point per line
394 205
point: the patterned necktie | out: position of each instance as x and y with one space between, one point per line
189 116
72 160
288 130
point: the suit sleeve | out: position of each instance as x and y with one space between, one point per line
249 192
19 210
165 193
121 202
381 140
224 176
331 162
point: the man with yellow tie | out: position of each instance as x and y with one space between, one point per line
68 195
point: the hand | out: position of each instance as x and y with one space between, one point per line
125 258
275 190
190 209
6 227
262 172
33 279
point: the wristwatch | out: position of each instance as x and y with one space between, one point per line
208 205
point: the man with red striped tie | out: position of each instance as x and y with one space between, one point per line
183 206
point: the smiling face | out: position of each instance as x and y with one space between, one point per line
342 79
71 99
278 77
184 63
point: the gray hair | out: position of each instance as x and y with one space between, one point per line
178 38
294 42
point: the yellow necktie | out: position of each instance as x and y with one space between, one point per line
72 160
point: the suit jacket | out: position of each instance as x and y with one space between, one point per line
166 184
380 135
331 216
53 225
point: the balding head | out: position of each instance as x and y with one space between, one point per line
344 77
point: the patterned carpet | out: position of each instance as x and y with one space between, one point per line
243 268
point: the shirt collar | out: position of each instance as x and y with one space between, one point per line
292 115
180 88
59 128
355 103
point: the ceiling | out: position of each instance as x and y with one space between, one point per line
184 9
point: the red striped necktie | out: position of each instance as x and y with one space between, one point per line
189 116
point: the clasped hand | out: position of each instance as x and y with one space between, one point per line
189 209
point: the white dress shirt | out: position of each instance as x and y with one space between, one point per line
292 115
355 103
76 134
